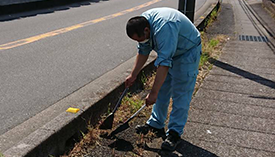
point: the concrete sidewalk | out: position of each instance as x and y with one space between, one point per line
233 113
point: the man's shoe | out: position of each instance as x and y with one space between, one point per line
144 129
172 141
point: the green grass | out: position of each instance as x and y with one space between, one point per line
208 46
109 109
204 58
1 155
143 78
214 13
83 134
211 18
134 104
213 43
208 49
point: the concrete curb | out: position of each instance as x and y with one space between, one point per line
201 22
93 99
270 6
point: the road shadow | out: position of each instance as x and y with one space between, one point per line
121 145
243 73
185 149
13 12
263 97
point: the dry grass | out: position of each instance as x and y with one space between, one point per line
89 140
129 105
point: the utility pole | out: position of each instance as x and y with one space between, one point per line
187 7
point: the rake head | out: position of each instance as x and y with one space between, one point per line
107 123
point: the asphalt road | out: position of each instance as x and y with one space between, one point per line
39 65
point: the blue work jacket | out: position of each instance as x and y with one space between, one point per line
171 34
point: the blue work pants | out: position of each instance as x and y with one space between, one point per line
179 84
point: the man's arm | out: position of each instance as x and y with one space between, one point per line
140 61
159 79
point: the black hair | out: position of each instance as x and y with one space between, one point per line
136 25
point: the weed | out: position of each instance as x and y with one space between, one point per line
143 78
210 67
207 50
204 58
82 133
210 49
89 140
133 103
109 109
214 14
211 18
213 42
1 155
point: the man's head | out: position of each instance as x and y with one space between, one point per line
138 28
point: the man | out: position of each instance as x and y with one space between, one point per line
177 43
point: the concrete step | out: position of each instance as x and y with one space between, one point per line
256 70
238 98
221 119
222 68
240 55
252 90
252 52
258 62
248 47
229 107
239 58
239 80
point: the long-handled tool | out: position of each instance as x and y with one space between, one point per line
108 122
125 125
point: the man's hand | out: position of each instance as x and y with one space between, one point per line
140 61
151 98
130 80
